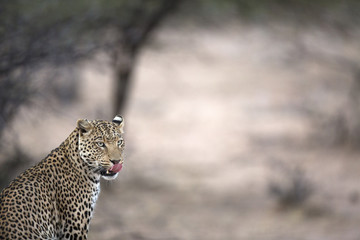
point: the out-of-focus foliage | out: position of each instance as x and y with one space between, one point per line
53 33
304 11
32 31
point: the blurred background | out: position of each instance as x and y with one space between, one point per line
242 116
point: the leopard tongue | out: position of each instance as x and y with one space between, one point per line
116 168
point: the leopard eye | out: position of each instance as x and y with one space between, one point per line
120 142
101 144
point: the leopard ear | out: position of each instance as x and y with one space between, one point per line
119 120
84 125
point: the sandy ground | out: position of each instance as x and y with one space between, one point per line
215 115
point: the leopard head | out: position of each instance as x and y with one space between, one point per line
101 145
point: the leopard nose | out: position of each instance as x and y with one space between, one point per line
115 161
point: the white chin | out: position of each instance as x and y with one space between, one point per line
110 177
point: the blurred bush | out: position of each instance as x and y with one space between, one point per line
45 33
293 190
338 13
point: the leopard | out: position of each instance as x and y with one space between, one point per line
55 199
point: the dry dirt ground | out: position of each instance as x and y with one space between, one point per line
217 114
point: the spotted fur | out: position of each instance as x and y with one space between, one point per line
55 199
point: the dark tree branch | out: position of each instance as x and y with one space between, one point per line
134 35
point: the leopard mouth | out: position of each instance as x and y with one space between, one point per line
112 171
107 173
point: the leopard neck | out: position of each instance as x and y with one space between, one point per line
71 145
